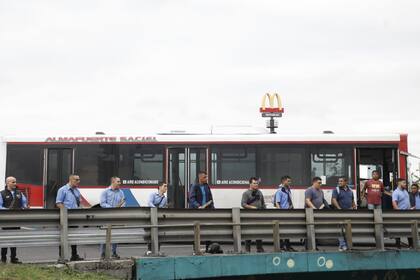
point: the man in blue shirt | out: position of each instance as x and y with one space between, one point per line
400 196
343 198
283 200
401 201
11 198
283 196
112 197
157 200
68 196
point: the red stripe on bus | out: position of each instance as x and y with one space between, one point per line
265 187
211 142
403 147
122 187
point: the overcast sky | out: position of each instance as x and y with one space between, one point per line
133 66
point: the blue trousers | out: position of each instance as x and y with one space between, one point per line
114 248
342 242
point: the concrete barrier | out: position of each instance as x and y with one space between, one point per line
120 269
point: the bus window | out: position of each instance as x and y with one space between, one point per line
148 165
233 165
25 163
141 164
96 164
331 164
275 162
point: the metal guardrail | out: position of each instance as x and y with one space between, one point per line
62 227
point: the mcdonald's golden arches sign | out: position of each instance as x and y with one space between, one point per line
272 107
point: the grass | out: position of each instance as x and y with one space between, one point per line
33 272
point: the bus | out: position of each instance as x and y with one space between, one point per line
42 164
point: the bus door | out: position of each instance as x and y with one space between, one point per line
58 165
183 165
385 160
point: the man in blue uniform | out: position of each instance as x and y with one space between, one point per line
401 201
68 196
283 200
157 200
11 198
400 196
112 197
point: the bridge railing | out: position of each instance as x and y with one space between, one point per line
62 227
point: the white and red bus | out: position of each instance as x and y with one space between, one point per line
42 165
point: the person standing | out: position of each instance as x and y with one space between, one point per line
283 195
401 201
343 198
68 196
314 196
414 197
400 196
11 198
200 195
112 197
157 200
283 200
253 199
374 189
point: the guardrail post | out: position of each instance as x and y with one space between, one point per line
108 242
154 231
236 229
415 234
379 229
310 229
276 236
64 235
197 239
349 235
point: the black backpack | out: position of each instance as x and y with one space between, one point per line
215 248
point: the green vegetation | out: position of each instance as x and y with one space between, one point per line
33 272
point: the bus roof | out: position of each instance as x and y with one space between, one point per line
182 138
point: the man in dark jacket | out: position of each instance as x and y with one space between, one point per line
414 197
200 194
11 198
200 197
